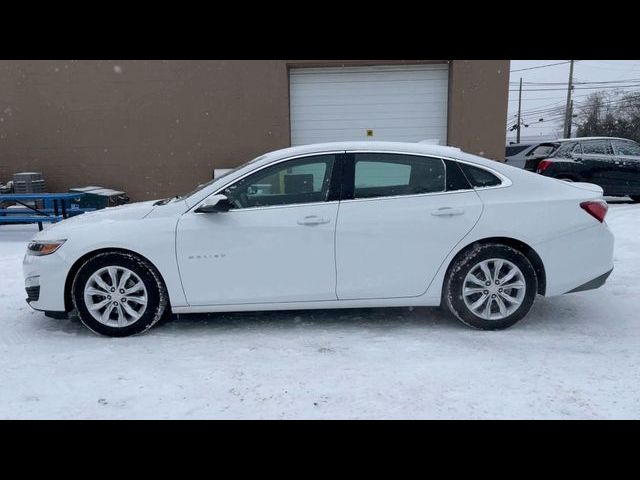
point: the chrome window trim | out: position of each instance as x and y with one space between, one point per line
505 181
288 205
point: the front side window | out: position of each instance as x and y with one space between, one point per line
302 180
596 147
388 175
623 147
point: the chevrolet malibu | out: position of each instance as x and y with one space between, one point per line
341 225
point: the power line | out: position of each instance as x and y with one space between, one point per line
604 82
574 96
540 66
528 116
531 113
580 88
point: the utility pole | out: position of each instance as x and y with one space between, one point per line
570 118
568 112
519 106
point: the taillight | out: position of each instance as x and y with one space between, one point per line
597 209
543 165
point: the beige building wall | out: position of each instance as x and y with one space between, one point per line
158 128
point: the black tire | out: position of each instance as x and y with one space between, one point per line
157 298
464 263
635 198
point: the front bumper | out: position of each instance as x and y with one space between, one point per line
52 271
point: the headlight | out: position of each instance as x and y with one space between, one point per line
39 248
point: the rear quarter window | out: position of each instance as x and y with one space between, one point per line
479 177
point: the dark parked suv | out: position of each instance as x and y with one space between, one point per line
612 163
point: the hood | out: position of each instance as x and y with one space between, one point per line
132 211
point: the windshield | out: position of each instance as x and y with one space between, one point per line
514 149
212 181
543 150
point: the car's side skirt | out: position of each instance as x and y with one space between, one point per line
377 302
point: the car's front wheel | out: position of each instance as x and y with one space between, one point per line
118 294
490 287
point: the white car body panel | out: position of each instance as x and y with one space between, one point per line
258 255
393 247
386 255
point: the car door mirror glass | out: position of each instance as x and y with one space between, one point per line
214 204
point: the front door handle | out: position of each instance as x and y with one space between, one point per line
313 220
447 212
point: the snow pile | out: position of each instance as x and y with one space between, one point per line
574 356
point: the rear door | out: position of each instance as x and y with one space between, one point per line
597 163
397 222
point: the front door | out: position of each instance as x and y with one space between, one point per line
599 163
399 224
276 245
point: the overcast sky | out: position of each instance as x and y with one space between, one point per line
536 104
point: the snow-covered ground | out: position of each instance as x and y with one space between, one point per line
576 356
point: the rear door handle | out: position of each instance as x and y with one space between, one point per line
313 220
447 212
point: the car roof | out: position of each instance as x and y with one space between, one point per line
405 147
565 140
577 139
375 146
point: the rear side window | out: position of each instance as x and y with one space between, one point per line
596 147
387 175
479 177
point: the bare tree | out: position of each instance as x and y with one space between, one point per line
610 114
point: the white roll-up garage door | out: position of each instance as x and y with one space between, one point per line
395 103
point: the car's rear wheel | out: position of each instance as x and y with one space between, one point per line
490 287
118 294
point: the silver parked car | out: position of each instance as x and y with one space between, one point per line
517 154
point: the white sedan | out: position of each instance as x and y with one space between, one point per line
341 225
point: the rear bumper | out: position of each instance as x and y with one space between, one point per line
592 284
573 261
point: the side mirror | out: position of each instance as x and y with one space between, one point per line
215 204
